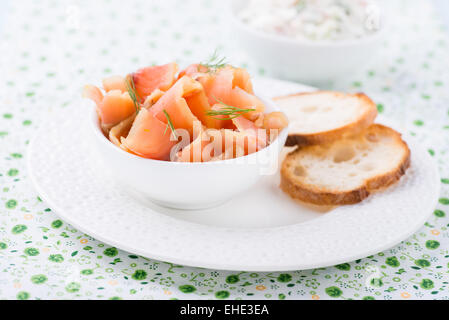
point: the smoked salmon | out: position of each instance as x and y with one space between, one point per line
93 93
114 83
113 107
121 130
174 103
148 79
204 113
240 77
232 86
149 137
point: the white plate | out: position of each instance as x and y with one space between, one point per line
262 230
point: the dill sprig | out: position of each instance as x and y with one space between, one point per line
169 125
130 86
214 62
230 111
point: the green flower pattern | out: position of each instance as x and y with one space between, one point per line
51 48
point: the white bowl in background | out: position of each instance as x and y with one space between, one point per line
305 61
183 185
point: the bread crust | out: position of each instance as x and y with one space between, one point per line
297 139
316 195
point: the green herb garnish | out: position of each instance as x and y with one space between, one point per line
230 111
169 124
133 93
214 62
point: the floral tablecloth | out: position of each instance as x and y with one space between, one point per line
50 48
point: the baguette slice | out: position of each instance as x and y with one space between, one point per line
325 116
348 170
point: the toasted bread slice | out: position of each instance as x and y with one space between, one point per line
325 116
348 170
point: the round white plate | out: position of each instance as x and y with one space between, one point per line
262 230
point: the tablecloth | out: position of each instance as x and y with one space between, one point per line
50 48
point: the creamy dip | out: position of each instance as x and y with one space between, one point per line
313 19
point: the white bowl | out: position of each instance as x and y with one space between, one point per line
186 185
310 62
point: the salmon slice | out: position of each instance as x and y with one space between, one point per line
193 151
256 138
153 98
174 103
149 137
121 130
244 125
221 121
218 86
242 79
214 145
227 143
148 79
232 86
93 93
241 99
275 121
220 142
199 105
115 83
207 145
115 107
193 71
